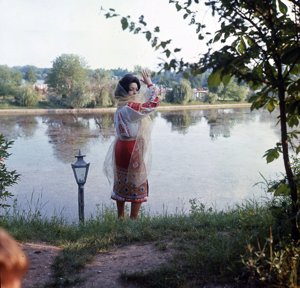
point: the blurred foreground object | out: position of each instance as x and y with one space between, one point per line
13 262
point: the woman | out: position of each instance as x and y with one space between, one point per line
128 161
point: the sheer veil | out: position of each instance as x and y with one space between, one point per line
143 140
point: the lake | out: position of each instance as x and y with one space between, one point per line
213 155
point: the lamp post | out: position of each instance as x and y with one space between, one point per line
80 169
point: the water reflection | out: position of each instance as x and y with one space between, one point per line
105 122
220 121
182 120
18 126
68 132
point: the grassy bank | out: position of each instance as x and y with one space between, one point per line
210 246
41 110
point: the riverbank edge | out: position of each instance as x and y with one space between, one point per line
113 109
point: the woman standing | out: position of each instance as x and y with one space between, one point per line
128 161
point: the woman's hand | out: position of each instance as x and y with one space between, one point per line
146 78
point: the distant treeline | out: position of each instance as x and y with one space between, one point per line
70 83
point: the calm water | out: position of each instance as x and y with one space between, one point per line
212 155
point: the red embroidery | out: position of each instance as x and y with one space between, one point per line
135 106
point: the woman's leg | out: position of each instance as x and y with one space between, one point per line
135 208
121 208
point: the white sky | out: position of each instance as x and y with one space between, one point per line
35 32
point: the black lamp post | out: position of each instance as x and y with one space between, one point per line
80 169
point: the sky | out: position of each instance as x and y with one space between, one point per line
36 32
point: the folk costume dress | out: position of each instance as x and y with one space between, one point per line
128 160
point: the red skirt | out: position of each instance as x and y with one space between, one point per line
129 167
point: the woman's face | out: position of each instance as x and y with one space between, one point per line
133 89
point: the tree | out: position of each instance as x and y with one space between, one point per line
101 85
68 80
10 80
7 178
260 42
233 91
30 75
27 96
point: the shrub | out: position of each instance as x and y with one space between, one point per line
27 96
7 178
272 265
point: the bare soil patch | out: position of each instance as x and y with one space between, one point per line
103 271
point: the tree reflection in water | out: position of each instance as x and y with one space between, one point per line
69 133
13 127
183 119
220 121
105 122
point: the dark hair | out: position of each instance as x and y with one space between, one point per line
127 80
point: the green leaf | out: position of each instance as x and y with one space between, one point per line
293 120
165 43
177 50
137 30
291 55
242 46
272 154
156 29
168 52
141 20
154 42
282 190
249 40
272 104
124 23
217 37
178 7
214 79
295 70
282 7
148 35
226 79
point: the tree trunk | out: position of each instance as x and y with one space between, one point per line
288 169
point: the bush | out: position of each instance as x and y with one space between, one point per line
79 97
272 266
8 178
211 98
27 96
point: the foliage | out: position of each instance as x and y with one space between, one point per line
79 96
10 80
7 178
27 97
211 98
232 91
30 75
101 86
181 93
67 79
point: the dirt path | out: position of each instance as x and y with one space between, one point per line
104 271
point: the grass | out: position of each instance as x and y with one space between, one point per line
208 243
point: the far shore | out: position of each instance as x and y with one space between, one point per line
113 109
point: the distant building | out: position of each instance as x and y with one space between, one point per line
200 93
40 87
